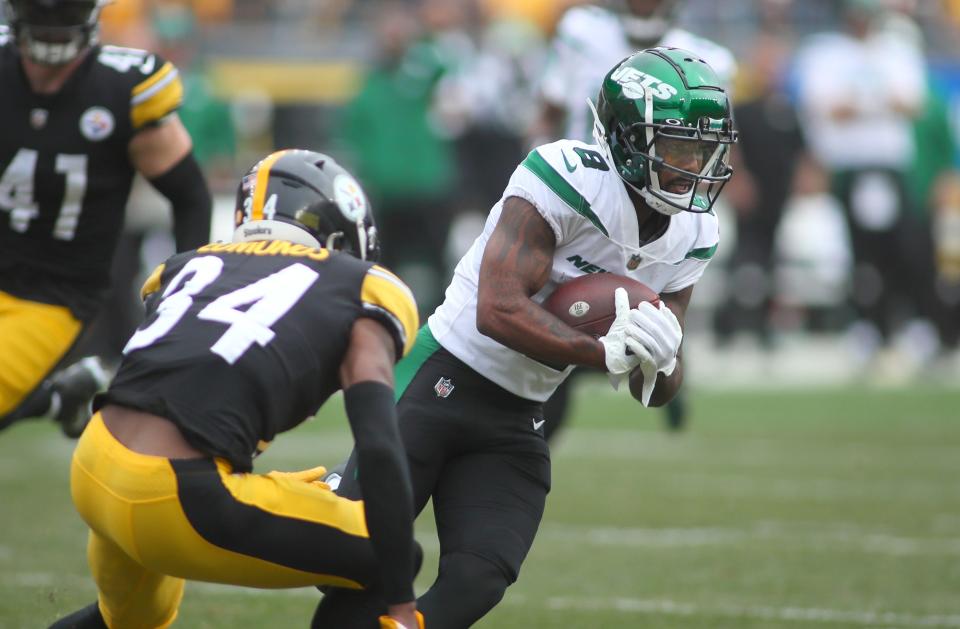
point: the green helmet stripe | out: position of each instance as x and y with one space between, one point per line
703 253
562 188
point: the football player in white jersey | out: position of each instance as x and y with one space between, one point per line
637 203
589 40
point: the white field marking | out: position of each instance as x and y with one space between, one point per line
620 604
740 452
815 489
825 538
13 578
807 614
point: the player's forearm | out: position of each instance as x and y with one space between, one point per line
385 483
388 507
523 326
184 185
666 387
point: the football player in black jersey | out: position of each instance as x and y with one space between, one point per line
242 341
78 120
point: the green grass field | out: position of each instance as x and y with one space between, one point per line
820 508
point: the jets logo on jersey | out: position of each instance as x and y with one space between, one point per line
636 83
96 124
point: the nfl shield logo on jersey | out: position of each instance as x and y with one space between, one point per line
38 118
443 387
634 261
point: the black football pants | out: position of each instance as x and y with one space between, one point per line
479 452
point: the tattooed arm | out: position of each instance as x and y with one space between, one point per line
516 264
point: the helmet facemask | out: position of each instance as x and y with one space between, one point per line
367 245
54 32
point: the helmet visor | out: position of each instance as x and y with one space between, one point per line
683 161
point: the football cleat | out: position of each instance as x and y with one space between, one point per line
87 618
73 389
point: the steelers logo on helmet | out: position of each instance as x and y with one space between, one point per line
349 197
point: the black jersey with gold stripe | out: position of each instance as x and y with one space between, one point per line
65 171
244 340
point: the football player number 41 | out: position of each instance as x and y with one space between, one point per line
268 299
16 192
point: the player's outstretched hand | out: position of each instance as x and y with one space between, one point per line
403 616
313 475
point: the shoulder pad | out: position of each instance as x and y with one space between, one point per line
720 58
582 24
572 170
386 297
707 237
156 89
123 60
152 283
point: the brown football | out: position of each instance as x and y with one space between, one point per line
586 302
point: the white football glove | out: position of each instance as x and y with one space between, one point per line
659 334
618 340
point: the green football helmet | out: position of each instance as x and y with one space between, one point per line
664 121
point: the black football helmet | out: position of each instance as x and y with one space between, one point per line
53 32
307 198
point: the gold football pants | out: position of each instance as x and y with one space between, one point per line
155 522
33 338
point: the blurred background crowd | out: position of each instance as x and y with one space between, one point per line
842 221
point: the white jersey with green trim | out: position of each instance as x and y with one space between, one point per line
595 224
590 40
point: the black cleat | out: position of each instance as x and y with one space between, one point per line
87 618
75 387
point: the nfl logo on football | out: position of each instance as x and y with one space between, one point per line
443 387
579 308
